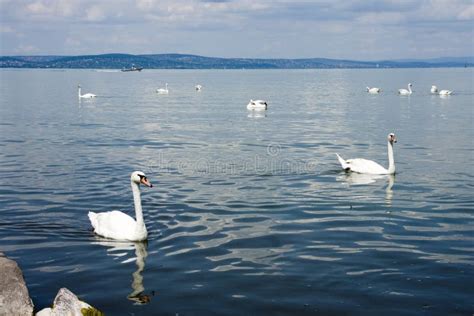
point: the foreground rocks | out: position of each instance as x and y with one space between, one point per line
15 300
14 297
66 303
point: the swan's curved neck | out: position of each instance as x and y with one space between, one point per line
391 161
138 204
409 89
79 92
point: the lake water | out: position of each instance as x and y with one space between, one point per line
250 213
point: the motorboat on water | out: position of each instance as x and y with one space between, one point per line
133 68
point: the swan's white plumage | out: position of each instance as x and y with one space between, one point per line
373 90
405 91
257 105
198 87
84 96
445 92
434 89
361 165
163 90
118 225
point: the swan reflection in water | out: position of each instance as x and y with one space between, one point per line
353 178
256 114
122 248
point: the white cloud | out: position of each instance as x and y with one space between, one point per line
95 14
6 29
251 28
467 13
38 7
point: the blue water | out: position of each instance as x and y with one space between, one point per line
250 213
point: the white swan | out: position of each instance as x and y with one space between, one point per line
163 91
198 87
445 92
118 225
373 90
405 91
257 105
360 165
84 96
434 89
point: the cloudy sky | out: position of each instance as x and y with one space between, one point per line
352 29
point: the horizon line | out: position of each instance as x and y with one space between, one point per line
254 58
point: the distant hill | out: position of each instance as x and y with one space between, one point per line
181 61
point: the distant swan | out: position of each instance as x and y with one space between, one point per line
373 90
118 225
445 92
198 87
84 96
163 91
360 165
405 91
257 105
434 89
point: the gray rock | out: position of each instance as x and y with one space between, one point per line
66 303
14 297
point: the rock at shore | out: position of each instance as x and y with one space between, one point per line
67 303
14 297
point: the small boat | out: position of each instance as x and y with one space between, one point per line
133 68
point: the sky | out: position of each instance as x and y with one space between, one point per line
350 29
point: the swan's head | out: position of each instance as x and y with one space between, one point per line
391 138
409 84
140 177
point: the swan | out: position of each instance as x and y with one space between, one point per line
84 96
445 92
198 87
373 90
405 91
434 89
163 91
257 105
118 225
368 166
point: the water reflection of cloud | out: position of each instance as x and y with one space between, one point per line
229 230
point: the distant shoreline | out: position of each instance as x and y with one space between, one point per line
182 61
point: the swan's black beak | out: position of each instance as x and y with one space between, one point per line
145 181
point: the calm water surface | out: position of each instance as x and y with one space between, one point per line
250 213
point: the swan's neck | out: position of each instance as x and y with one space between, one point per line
79 92
409 89
391 161
138 205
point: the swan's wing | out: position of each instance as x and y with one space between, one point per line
365 166
114 224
